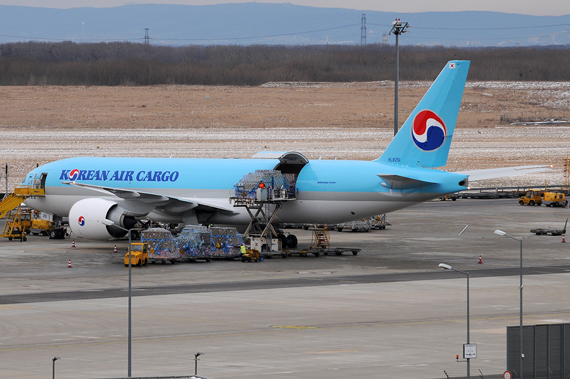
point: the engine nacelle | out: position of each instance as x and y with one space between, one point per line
86 216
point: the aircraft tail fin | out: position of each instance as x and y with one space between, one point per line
425 137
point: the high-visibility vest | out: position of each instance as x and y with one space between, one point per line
243 249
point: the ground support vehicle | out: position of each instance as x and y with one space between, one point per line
341 251
554 199
251 255
46 224
262 193
379 222
531 197
18 224
364 225
139 254
553 232
314 251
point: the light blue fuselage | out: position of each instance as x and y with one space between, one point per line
326 191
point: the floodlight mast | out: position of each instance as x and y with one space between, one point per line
448 267
398 27
521 355
129 337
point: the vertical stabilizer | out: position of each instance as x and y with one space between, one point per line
425 137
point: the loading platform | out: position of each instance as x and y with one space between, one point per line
15 199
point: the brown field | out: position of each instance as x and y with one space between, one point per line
40 124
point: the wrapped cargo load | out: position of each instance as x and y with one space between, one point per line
272 184
194 242
162 246
225 242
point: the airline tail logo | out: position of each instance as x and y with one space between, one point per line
428 131
81 221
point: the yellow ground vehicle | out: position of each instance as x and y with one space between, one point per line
250 255
554 199
18 224
139 254
531 197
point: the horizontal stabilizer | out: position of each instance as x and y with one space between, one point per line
493 173
397 181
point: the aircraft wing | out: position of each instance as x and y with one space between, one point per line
493 173
152 200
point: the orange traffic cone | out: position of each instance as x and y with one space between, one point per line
563 238
480 260
69 264
73 243
115 249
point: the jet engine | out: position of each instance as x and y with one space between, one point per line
87 215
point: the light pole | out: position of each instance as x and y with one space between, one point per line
196 362
466 354
53 366
398 27
111 223
521 355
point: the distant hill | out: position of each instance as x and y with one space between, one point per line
275 24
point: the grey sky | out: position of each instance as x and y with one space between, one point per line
531 7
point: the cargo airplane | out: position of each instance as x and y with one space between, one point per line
92 190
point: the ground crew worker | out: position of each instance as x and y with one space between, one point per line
242 250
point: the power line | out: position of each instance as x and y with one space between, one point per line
259 37
510 28
146 38
71 39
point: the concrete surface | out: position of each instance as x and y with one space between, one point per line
389 312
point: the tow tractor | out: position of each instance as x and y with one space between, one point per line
139 254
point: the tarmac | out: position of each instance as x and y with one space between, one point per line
387 312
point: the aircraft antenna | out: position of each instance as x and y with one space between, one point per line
363 29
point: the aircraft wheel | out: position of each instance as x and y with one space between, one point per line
292 240
283 239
